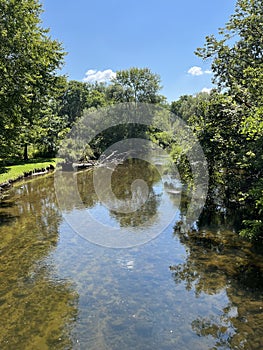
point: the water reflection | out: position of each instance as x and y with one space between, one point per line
127 214
123 177
218 261
36 307
201 290
128 172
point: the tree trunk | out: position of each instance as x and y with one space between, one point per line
25 152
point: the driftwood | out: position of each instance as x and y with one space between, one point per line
82 165
68 166
112 159
115 158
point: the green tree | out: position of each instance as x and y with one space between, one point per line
136 85
129 86
73 100
189 106
238 69
29 59
78 96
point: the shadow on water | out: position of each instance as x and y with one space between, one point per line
36 308
219 260
5 216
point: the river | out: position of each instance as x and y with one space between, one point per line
60 290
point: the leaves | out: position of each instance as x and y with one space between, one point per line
238 69
29 59
136 85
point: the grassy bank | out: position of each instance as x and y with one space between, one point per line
17 171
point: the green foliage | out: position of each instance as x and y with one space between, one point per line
238 50
253 230
189 107
135 85
73 100
132 85
29 59
238 70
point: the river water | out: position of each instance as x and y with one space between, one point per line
59 290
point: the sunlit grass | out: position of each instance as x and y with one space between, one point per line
14 172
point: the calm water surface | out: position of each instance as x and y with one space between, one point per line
59 291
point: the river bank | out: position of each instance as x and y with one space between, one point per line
18 172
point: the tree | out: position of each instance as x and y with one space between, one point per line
136 85
132 85
29 59
239 49
189 106
78 96
73 100
238 68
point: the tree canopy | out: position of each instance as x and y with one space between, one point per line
237 65
136 85
29 60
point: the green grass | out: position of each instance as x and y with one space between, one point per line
13 172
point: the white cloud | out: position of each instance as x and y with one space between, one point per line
206 90
198 71
195 71
90 72
93 76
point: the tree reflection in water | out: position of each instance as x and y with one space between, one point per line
128 172
36 308
219 261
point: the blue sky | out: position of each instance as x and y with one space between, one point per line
105 36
